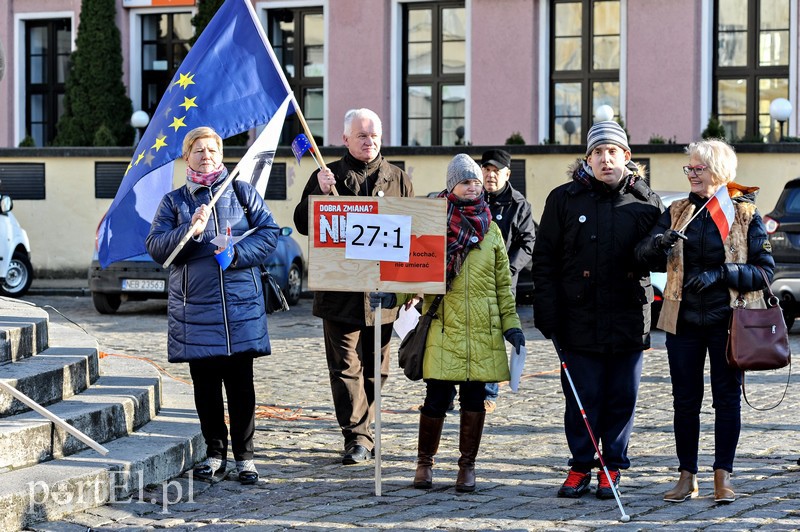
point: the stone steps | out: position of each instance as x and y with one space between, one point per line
23 334
148 423
116 405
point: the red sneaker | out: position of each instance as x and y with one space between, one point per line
604 490
576 485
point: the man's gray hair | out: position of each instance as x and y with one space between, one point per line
352 114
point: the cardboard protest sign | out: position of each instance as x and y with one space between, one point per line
387 244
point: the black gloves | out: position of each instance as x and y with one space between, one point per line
669 239
515 337
700 282
386 300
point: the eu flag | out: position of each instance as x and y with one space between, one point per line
300 145
230 81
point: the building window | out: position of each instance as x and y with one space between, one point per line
298 39
165 43
434 59
48 45
22 181
751 66
584 65
276 186
107 178
517 178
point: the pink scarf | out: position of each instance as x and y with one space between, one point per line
204 179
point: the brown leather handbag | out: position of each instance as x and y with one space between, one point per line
757 338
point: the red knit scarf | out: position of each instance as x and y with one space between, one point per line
467 223
204 179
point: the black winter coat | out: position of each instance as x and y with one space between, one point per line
512 214
703 251
588 289
353 178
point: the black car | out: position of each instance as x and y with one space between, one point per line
783 227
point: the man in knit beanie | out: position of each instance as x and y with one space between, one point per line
607 152
593 298
608 132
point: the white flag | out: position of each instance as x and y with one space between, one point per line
257 162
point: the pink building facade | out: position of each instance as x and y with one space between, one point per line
454 71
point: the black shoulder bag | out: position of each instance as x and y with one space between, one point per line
412 348
274 300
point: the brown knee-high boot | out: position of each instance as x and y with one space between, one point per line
430 431
469 441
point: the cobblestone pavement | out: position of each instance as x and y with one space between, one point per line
520 466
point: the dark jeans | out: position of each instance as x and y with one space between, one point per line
349 351
608 386
236 373
438 395
687 358
492 390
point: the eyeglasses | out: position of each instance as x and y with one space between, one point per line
698 170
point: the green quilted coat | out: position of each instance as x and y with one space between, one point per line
465 342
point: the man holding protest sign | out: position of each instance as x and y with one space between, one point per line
347 319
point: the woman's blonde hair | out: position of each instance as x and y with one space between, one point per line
718 156
201 132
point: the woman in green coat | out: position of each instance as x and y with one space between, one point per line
465 343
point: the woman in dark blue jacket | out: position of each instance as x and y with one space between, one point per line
216 317
709 264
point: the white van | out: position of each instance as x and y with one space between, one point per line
16 272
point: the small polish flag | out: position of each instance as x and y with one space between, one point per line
722 211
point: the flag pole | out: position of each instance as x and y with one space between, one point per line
313 142
682 229
54 418
279 68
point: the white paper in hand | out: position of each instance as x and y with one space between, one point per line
221 239
406 321
517 364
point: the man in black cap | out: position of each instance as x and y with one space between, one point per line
512 214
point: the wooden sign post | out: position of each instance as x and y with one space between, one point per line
368 244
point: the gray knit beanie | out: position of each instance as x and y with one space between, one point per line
608 132
461 168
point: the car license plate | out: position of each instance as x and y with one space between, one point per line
143 285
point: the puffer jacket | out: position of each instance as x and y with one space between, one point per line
702 251
465 341
589 290
353 178
212 312
512 214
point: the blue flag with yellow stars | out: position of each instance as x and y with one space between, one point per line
230 81
300 145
